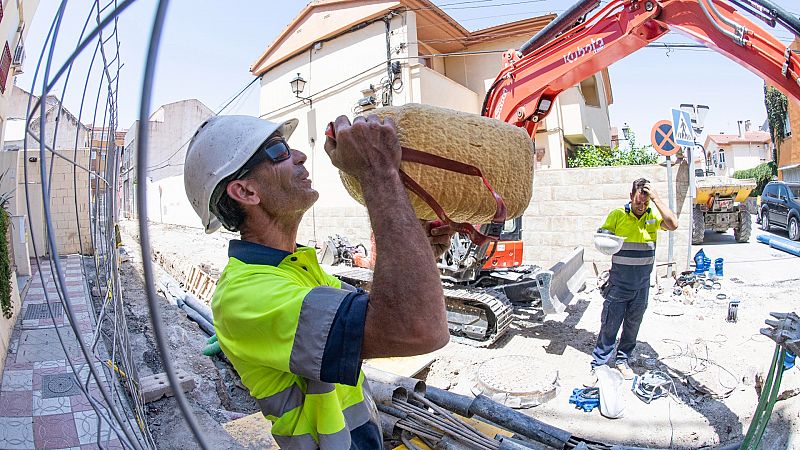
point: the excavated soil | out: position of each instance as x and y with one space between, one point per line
218 396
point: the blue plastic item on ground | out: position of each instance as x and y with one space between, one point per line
718 266
586 399
780 243
700 264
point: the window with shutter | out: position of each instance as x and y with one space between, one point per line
5 66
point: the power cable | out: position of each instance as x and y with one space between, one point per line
322 91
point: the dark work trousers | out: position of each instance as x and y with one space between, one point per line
622 307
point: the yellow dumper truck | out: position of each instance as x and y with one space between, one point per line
719 206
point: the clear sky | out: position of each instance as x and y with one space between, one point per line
208 46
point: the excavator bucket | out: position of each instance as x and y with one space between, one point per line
555 287
568 277
479 315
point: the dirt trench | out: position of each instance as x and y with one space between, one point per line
218 397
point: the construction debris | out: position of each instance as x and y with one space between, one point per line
157 386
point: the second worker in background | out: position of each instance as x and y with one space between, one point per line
628 284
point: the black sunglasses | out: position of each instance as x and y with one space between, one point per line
275 150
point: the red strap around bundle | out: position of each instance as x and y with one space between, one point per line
416 156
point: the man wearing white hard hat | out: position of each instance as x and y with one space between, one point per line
629 234
295 334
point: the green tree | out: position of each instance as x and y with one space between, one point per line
5 256
763 173
777 113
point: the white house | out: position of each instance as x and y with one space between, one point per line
354 55
65 134
171 127
728 153
14 19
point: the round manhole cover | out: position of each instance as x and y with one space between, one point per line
60 385
517 381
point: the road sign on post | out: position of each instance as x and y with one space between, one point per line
682 124
663 138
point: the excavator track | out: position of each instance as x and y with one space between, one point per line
475 316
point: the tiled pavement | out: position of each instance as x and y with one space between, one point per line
41 406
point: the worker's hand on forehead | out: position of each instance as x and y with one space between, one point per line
365 148
648 190
439 235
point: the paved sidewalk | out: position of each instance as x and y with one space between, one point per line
41 404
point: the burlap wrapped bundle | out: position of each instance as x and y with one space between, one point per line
503 153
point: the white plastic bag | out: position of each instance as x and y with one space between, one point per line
612 392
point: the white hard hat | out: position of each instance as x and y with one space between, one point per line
608 243
220 147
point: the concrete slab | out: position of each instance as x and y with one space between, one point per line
156 386
407 366
251 431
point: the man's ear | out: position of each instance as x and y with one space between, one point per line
243 192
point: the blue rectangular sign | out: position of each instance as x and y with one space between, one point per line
682 126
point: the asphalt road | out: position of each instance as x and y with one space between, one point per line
751 262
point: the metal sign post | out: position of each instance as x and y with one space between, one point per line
690 160
663 139
671 197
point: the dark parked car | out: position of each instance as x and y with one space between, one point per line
780 206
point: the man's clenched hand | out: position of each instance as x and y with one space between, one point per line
439 235
366 148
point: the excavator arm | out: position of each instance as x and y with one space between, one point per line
564 54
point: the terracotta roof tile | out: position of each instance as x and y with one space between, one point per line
759 137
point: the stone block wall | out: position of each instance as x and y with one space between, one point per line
569 205
321 222
566 209
65 216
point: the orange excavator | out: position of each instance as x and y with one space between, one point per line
480 280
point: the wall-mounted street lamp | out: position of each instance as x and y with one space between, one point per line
697 114
626 131
298 84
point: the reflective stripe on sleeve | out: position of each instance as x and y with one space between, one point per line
316 315
356 415
319 387
278 404
336 441
301 442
